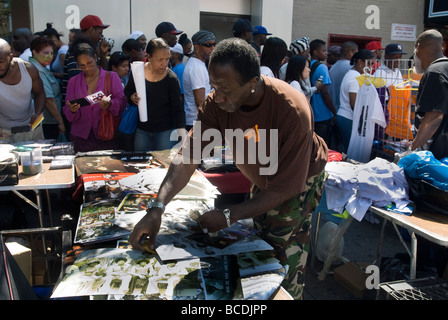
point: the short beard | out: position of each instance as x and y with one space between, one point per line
418 67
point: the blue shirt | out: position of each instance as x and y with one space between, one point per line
179 71
320 109
51 88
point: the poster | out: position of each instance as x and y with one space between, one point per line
132 274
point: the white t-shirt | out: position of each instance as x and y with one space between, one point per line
392 77
282 72
266 71
26 55
296 85
195 77
368 112
337 73
349 85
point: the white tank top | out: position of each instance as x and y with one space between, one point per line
15 100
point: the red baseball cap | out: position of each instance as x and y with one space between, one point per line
374 45
92 21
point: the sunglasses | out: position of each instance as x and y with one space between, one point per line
209 45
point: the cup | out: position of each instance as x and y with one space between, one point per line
32 162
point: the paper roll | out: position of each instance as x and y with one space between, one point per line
138 73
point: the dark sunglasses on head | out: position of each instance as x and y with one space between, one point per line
209 45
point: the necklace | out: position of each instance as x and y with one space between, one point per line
155 77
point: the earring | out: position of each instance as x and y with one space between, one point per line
252 91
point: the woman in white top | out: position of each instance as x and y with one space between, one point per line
348 93
297 73
272 57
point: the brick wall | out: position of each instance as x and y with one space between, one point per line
318 18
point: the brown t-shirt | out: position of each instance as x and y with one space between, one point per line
278 136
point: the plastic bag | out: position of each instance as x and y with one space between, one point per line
423 165
62 138
106 129
428 181
129 119
324 239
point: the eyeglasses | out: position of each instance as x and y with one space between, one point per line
209 45
87 65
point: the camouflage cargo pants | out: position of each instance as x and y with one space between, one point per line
287 228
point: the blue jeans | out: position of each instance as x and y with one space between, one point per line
152 141
345 129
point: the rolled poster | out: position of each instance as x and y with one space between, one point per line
138 73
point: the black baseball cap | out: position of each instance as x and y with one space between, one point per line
394 48
241 26
166 27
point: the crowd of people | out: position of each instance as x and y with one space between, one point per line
302 92
326 76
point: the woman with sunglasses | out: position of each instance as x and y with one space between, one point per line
85 120
195 79
164 104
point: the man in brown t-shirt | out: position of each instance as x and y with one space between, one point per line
269 127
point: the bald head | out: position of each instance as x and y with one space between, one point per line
21 39
428 48
5 48
429 36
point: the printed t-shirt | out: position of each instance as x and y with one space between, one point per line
301 153
368 112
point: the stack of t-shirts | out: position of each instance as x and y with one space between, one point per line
355 187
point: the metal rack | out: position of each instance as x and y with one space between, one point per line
420 289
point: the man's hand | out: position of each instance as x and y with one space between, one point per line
212 221
33 118
147 227
103 48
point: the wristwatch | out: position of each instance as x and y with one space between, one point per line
226 213
157 204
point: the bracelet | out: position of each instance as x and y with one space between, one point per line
226 213
157 204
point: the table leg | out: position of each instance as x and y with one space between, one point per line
380 245
413 266
50 212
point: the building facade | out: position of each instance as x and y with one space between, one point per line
333 21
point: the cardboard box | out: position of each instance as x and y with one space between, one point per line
352 276
22 255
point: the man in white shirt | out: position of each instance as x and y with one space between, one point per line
21 40
390 70
196 80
